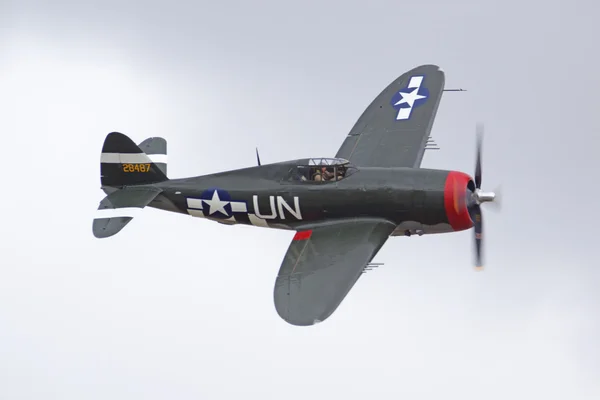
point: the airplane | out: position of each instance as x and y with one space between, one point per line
343 209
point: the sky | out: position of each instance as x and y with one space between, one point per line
177 307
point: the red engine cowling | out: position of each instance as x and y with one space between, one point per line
458 186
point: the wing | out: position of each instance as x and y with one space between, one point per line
322 264
393 130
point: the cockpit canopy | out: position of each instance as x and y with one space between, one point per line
321 170
327 161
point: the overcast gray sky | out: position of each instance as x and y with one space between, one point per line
177 307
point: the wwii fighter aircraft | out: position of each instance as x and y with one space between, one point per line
343 209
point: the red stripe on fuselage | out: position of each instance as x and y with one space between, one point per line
303 235
455 201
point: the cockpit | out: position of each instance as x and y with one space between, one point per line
321 170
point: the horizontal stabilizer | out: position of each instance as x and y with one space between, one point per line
118 208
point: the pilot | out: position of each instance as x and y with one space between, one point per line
341 171
322 174
317 176
327 174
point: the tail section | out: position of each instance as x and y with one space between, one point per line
123 163
156 149
118 208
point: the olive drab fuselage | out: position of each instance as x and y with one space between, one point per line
277 196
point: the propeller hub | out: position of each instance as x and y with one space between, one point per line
482 197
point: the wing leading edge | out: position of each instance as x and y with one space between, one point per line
393 130
322 264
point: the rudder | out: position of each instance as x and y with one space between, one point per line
123 163
156 149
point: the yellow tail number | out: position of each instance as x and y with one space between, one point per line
136 167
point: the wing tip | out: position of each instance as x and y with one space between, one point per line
297 316
429 65
298 322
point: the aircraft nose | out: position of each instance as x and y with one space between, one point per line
456 190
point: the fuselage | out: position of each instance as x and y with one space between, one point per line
419 201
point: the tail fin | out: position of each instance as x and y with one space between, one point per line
156 149
123 163
118 208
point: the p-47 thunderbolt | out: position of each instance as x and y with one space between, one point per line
343 209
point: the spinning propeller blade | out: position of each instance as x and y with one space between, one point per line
479 131
479 197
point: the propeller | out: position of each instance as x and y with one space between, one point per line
476 199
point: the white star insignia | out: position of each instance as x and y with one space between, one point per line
216 204
410 97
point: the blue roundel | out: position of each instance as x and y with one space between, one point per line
216 203
413 95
